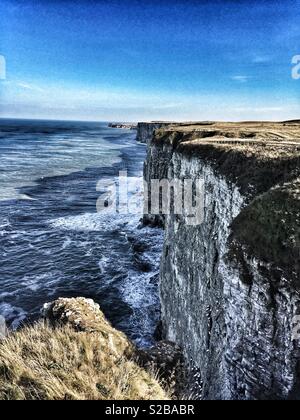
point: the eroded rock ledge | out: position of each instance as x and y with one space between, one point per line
230 287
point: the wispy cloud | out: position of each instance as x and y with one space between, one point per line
240 78
261 59
31 99
263 109
28 86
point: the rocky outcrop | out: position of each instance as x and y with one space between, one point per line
230 286
83 315
75 355
123 126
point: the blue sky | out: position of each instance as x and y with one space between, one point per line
144 60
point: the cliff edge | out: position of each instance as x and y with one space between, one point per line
229 287
75 355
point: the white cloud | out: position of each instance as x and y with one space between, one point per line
262 110
28 86
240 78
261 59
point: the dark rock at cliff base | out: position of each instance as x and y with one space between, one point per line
159 330
166 359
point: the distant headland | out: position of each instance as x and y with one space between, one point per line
124 126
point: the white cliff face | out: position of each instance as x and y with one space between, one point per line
261 359
233 319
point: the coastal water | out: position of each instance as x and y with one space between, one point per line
53 243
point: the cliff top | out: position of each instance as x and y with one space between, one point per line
251 154
288 131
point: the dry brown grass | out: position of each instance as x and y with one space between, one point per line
258 130
42 363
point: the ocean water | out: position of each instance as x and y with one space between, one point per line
53 243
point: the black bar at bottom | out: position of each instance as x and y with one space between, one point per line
135 409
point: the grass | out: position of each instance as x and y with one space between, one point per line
269 229
255 157
43 363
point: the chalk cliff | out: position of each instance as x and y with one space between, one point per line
230 287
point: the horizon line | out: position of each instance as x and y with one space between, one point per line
150 121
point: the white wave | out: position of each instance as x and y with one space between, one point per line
26 166
104 264
26 197
93 222
36 282
4 223
67 243
4 295
138 291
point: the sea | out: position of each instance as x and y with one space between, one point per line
54 243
